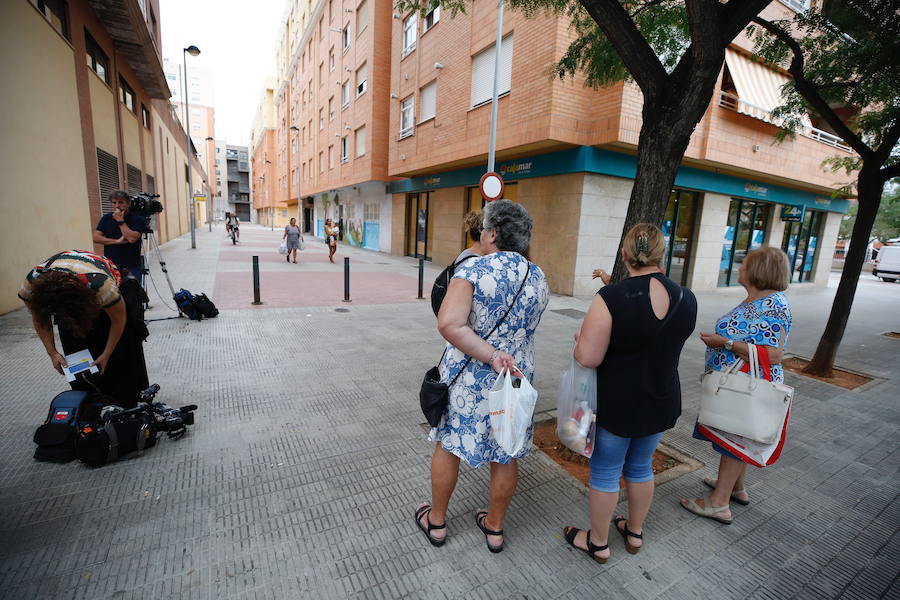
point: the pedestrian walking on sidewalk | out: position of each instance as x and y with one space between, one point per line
633 334
478 299
331 236
762 318
293 236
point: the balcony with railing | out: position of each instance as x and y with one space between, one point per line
732 102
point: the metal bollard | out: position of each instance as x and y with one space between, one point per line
421 278
256 300
347 279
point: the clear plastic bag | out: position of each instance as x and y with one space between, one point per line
511 403
576 409
282 248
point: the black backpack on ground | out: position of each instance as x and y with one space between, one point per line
68 412
185 301
439 289
205 306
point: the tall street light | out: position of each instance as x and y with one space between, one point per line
193 51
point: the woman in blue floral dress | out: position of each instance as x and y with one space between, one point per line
480 294
764 319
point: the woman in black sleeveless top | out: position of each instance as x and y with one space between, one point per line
633 334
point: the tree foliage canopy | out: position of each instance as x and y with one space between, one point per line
849 57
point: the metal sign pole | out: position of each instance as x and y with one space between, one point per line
493 142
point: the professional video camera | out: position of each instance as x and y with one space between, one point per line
145 204
119 431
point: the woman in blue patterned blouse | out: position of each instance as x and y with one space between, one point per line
481 292
764 319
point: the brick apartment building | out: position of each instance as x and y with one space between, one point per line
85 111
565 151
270 208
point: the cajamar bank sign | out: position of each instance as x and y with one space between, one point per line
756 189
516 169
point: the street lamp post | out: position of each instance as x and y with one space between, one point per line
193 51
209 200
493 140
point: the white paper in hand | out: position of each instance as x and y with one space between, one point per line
78 362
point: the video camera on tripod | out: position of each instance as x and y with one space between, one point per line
145 204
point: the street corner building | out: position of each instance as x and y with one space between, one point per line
85 111
381 121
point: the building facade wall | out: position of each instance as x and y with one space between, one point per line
44 84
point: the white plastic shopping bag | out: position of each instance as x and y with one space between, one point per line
282 249
511 403
576 408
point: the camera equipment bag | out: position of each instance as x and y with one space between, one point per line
108 440
205 306
69 410
439 289
185 301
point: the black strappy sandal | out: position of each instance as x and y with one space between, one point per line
426 510
480 516
626 534
572 533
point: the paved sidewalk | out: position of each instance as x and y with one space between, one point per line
308 457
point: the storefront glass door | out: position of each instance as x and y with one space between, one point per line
678 229
419 226
747 228
799 243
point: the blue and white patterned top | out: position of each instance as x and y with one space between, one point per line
765 322
495 278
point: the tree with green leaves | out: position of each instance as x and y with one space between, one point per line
673 50
845 63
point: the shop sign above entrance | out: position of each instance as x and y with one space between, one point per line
491 186
791 214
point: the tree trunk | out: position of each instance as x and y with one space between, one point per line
869 188
665 134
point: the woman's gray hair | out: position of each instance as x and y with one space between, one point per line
512 224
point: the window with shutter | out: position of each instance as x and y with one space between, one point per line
483 72
134 179
427 101
362 16
361 80
407 110
108 173
361 141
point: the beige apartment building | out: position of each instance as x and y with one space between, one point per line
566 153
331 131
85 111
271 209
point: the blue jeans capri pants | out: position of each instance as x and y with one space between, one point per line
614 456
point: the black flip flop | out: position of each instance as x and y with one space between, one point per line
572 533
426 510
626 534
480 515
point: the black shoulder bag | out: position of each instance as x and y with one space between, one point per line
434 395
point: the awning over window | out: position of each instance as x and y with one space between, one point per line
758 86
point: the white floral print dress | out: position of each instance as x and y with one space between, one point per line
495 278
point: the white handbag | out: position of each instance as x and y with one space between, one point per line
745 404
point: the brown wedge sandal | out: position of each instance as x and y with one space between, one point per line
572 532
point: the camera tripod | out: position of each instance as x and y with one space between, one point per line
150 247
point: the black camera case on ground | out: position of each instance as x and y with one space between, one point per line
205 306
109 441
68 412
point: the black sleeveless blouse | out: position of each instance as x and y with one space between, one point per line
638 389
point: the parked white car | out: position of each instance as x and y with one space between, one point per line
887 265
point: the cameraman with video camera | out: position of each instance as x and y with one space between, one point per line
120 234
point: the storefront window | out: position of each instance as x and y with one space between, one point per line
678 229
800 241
747 228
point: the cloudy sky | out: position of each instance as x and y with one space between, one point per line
237 41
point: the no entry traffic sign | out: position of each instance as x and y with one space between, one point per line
491 186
